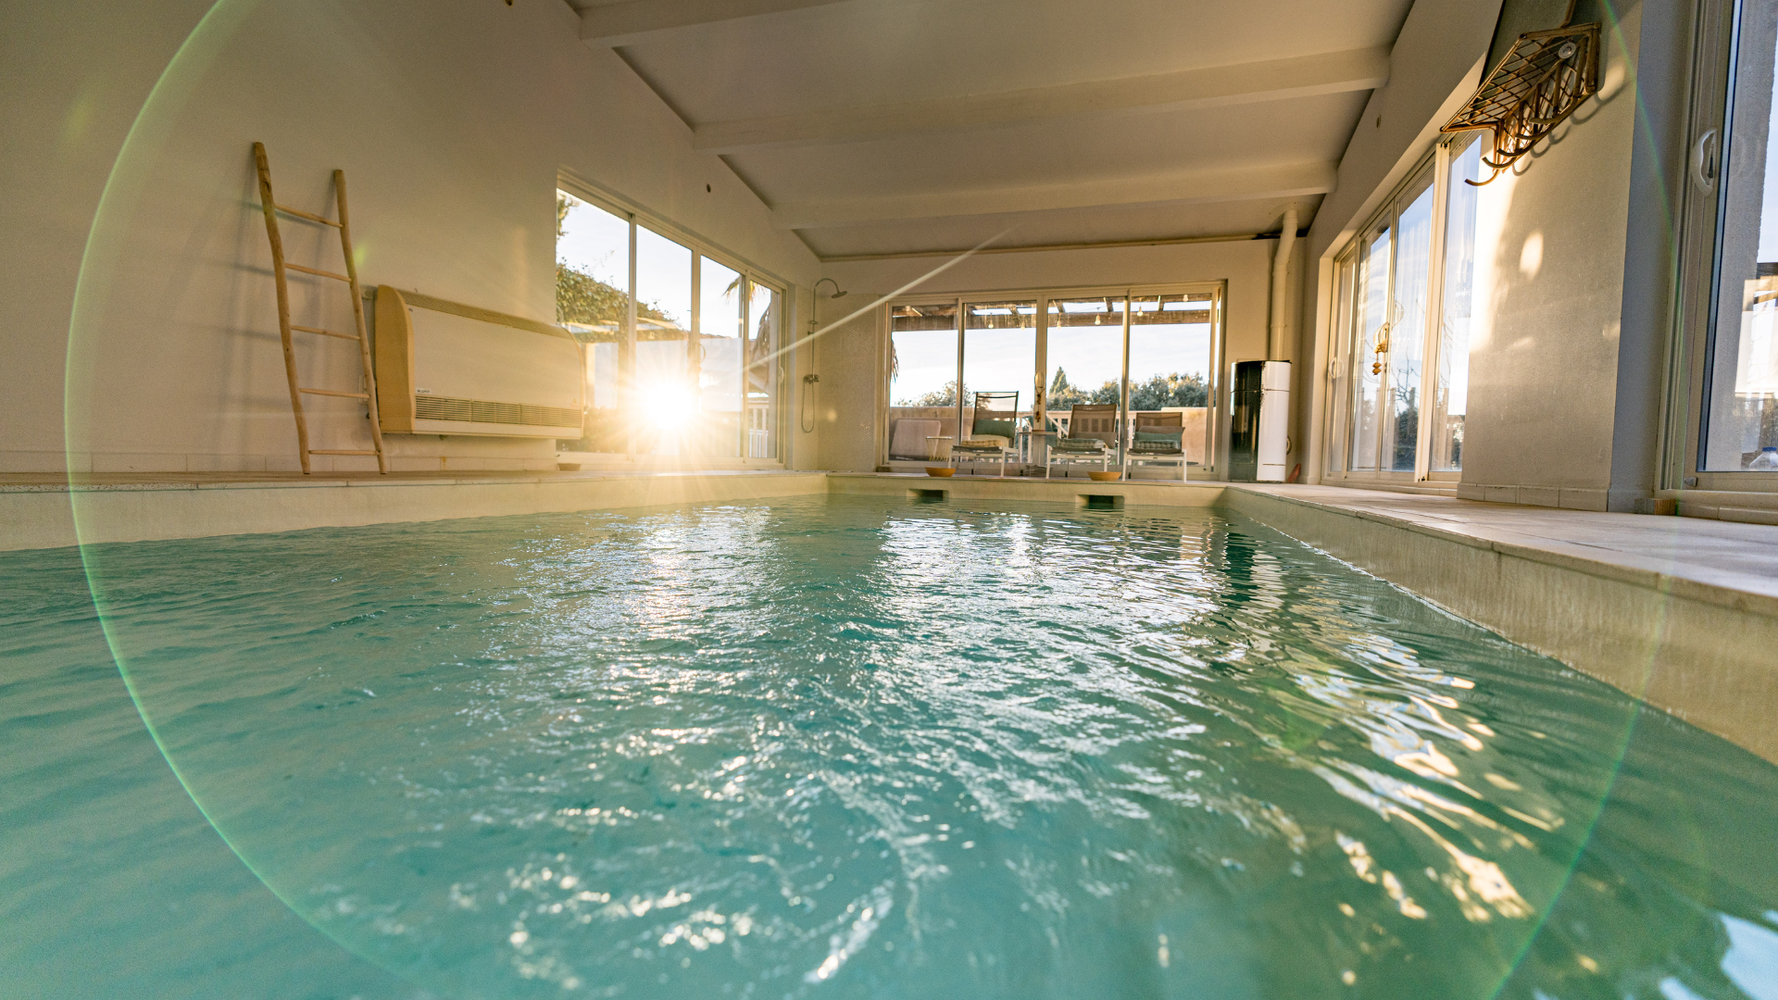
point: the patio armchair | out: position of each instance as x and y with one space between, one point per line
1157 439
1091 439
993 432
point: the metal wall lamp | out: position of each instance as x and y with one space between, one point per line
1543 79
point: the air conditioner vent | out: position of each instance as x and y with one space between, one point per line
482 411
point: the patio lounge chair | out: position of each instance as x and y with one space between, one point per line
1158 439
1091 440
993 432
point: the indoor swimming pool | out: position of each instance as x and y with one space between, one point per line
843 747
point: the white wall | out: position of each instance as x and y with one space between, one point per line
451 119
854 394
73 80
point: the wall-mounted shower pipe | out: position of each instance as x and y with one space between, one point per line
1280 290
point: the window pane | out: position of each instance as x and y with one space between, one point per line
922 379
1741 400
663 396
592 301
764 372
1451 387
719 362
1407 334
1344 351
1369 329
1086 353
999 353
1170 361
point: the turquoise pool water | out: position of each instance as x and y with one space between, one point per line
842 748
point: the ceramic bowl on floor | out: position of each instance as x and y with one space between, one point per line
1104 477
940 472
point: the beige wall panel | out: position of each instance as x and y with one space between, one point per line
1550 286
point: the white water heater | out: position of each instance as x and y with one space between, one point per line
1259 412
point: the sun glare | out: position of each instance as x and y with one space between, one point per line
668 403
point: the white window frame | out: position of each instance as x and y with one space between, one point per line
636 215
1342 334
1701 208
1043 296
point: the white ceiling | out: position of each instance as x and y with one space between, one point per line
896 126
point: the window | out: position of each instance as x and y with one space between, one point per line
765 372
593 302
1169 361
719 382
999 352
1735 385
1137 349
664 398
1403 302
681 348
923 360
1085 359
1449 390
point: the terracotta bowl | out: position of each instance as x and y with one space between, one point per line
940 472
1103 477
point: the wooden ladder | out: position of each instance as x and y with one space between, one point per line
280 267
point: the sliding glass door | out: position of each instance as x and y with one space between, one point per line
1138 349
1402 308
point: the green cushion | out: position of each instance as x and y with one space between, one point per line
996 428
1160 437
1079 444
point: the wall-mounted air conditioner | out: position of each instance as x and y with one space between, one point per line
448 368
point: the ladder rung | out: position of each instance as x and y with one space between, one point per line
317 272
324 333
339 451
334 392
299 213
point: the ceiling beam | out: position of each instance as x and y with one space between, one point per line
1254 183
623 23
1242 83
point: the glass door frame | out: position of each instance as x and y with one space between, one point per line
1344 341
635 216
1700 221
1218 291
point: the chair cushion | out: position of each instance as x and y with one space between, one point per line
994 428
987 442
1161 437
1156 444
1079 444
